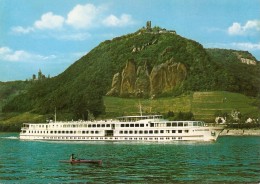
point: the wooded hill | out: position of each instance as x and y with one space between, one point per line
80 88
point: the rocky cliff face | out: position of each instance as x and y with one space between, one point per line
132 82
166 76
248 61
128 78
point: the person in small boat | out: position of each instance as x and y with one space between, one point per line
72 157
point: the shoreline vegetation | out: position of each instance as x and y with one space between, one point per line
203 106
240 132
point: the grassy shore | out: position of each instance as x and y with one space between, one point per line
204 105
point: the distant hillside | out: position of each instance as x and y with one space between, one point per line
151 62
8 90
237 71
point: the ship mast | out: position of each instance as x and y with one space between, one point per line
140 108
55 116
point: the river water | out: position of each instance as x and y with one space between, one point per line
229 160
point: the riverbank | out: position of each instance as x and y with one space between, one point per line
240 132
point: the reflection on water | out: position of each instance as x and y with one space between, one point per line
230 159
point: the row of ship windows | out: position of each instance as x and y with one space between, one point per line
71 126
63 132
120 132
168 124
180 124
89 125
115 138
152 131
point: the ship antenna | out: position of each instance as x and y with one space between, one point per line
140 108
55 116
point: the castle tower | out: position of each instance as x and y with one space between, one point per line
148 25
39 74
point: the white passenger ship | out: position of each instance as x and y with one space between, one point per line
126 128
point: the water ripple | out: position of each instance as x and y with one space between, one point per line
231 159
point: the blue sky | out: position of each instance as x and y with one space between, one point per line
51 35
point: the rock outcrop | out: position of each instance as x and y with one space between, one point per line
115 87
166 76
245 60
133 82
248 61
128 78
142 83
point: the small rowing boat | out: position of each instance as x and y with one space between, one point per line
82 161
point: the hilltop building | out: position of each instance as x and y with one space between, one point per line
149 25
40 76
154 30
